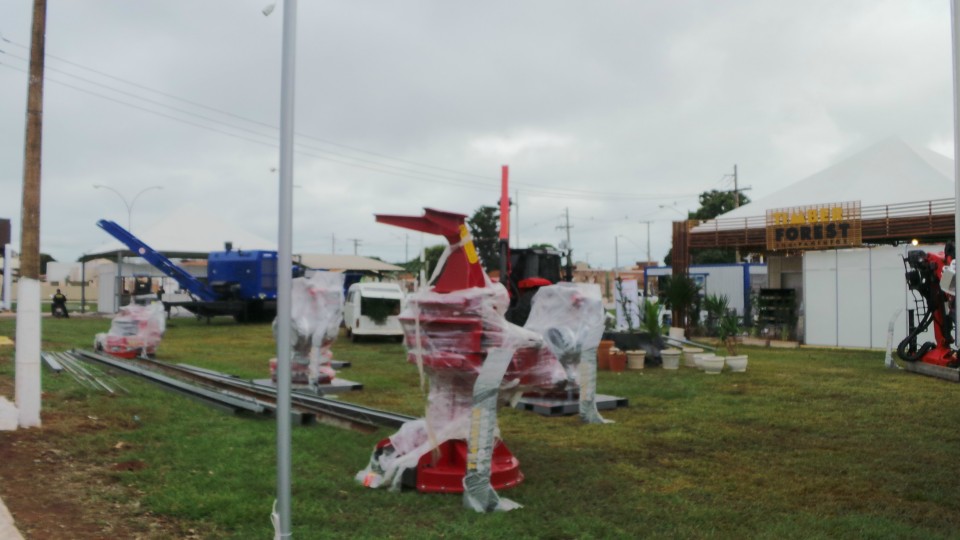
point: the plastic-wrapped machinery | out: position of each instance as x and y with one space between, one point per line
316 306
457 335
135 330
570 318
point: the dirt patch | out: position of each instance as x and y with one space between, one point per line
52 494
134 465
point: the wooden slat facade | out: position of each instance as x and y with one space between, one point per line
927 220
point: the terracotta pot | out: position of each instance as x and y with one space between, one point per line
603 354
618 360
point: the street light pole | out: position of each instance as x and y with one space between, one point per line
675 209
129 204
616 255
118 298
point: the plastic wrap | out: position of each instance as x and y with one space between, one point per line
570 318
316 309
448 337
135 330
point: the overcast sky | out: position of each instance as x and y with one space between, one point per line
611 109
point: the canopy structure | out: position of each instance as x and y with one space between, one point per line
339 263
190 232
889 172
903 192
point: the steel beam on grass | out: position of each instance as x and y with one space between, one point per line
347 410
211 397
51 362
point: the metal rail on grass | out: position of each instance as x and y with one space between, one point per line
308 406
314 402
212 397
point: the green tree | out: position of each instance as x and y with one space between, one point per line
713 203
485 228
432 257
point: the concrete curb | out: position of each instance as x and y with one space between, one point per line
8 531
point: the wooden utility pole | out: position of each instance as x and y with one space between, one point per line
27 361
30 212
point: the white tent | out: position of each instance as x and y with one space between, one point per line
190 232
346 262
889 172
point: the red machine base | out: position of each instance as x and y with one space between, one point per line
940 356
442 470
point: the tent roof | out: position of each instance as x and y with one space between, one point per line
190 232
888 172
346 262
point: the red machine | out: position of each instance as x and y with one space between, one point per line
448 332
931 277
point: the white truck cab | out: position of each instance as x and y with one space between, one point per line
372 309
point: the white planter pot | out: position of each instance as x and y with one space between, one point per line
737 363
688 356
676 333
671 358
698 359
713 366
636 359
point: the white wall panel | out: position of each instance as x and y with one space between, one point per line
820 298
853 298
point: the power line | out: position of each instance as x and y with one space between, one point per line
559 193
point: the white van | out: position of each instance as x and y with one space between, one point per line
372 309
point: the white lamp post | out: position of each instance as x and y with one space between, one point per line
129 204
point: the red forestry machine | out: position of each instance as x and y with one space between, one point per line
931 279
524 271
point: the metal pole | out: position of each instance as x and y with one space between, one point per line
284 264
516 221
5 302
955 28
118 299
83 285
504 223
648 242
616 255
129 204
569 247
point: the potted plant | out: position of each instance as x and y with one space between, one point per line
626 338
682 295
729 331
716 305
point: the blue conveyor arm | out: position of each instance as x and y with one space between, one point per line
189 283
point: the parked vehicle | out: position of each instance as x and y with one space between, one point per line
373 309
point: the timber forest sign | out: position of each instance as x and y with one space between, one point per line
819 226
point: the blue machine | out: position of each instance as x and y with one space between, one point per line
239 283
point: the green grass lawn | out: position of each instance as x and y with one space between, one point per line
807 443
